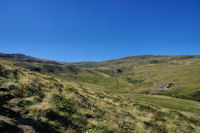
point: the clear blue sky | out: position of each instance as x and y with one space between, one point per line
96 30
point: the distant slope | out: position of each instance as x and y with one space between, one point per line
149 73
24 58
135 60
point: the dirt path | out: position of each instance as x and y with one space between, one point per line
150 78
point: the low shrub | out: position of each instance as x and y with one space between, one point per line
63 104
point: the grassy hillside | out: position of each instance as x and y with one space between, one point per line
64 71
47 96
174 76
147 74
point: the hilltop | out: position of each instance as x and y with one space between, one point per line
148 94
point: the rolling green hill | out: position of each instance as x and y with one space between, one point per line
148 94
148 73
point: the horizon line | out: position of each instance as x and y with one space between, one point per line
167 55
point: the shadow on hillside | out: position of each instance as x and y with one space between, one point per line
4 99
36 124
65 121
8 128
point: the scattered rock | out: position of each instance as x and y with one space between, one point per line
116 71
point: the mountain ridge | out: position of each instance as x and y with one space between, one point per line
19 56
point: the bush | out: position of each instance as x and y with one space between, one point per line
25 91
3 72
63 104
16 91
